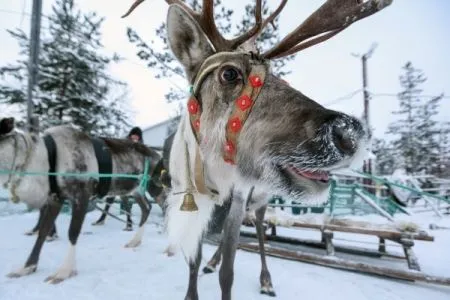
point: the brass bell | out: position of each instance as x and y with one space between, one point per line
188 203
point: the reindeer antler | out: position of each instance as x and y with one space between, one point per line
206 21
330 19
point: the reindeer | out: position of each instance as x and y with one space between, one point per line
63 149
247 130
154 189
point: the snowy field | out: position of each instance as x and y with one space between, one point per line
107 270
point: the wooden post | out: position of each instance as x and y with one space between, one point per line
327 237
273 231
382 245
413 262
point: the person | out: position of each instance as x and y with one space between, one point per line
126 202
136 135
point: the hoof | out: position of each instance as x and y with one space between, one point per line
132 244
52 238
268 291
128 229
169 251
209 269
29 233
98 223
22 272
59 277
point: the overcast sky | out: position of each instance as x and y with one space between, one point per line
408 30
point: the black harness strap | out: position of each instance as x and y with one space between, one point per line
104 160
51 151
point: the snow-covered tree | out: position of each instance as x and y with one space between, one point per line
444 151
385 157
415 143
428 136
73 82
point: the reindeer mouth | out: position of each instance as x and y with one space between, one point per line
318 176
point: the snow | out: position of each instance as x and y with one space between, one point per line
108 270
370 221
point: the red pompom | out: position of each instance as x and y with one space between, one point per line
255 81
229 147
197 124
235 124
192 106
244 102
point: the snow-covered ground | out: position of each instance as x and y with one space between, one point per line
108 271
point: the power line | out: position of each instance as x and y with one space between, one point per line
23 13
346 97
8 11
396 95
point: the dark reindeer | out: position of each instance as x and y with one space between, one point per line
247 130
72 152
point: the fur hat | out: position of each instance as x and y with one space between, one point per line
137 131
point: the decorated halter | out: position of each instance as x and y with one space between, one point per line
243 104
241 110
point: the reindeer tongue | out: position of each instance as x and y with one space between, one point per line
314 175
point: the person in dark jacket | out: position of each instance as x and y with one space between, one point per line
135 135
126 202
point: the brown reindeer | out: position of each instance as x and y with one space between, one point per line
247 130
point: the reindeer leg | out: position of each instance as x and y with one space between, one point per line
146 207
215 260
53 234
67 269
194 266
230 242
35 229
219 216
101 220
48 218
264 278
127 207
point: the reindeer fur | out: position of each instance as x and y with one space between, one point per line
75 154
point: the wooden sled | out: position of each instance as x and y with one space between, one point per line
405 239
344 264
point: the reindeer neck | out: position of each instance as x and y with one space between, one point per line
31 157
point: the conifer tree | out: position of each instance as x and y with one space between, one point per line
73 81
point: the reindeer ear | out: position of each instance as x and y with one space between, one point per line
6 125
187 40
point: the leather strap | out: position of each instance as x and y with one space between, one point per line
52 156
104 160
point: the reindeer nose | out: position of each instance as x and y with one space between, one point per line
346 133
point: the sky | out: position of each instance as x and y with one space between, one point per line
330 73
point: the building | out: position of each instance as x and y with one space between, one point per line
155 135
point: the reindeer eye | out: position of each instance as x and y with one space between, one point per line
229 75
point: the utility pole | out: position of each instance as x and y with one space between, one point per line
34 58
364 57
366 96
367 168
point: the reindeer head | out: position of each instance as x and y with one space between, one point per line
242 114
8 145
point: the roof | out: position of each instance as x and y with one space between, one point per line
159 124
